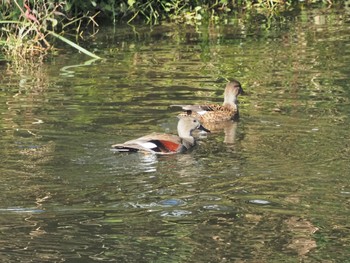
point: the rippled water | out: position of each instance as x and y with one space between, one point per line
273 187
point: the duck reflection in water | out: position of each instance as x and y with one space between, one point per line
228 127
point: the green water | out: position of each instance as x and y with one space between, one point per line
273 187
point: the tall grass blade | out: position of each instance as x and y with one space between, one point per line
81 49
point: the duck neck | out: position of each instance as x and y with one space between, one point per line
187 138
188 142
230 101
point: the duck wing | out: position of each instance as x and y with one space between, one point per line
200 109
158 143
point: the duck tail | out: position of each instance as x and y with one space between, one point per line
124 148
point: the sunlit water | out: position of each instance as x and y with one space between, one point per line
273 187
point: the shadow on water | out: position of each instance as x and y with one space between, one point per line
272 187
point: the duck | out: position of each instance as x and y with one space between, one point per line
163 143
217 113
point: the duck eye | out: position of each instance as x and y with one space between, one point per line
194 121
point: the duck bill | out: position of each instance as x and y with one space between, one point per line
241 92
202 128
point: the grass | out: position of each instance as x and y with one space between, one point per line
30 35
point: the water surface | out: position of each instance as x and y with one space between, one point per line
273 187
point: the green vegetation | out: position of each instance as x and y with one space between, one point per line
29 27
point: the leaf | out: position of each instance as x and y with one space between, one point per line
198 17
53 21
81 49
131 2
108 8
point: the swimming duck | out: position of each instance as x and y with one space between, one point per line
162 143
217 113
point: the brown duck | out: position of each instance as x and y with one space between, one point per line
217 113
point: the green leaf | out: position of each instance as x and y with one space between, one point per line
81 49
53 21
131 2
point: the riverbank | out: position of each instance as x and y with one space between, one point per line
31 28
